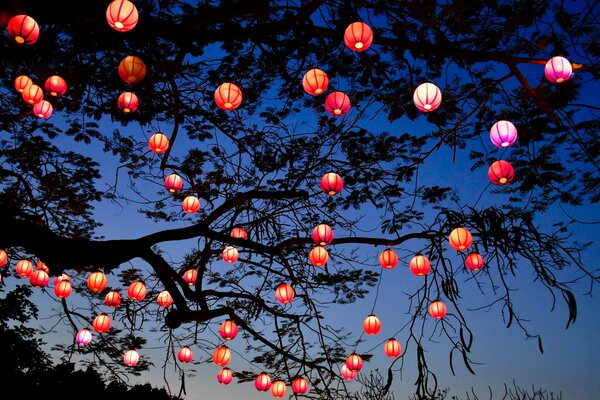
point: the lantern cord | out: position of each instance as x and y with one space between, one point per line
376 293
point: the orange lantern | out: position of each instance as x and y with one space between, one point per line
388 259
392 348
337 104
372 325
112 299
158 143
262 382
315 81
23 29
228 330
239 233
3 258
299 386
122 15
318 256
278 389
97 281
24 268
474 262
63 289
222 356
190 276
437 309
348 374
128 102
230 254
420 265
39 278
427 97
501 173
43 109
460 239
173 183
225 376
137 291
322 234
33 94
332 183
102 323
354 362
164 299
191 204
228 96
284 293
21 82
358 36
56 86
132 69
185 354
131 358
41 265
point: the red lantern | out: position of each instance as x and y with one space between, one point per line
372 325
228 330
102 323
112 299
158 143
460 239
56 86
315 81
332 183
41 265
228 96
24 268
278 389
284 293
222 356
33 94
164 299
97 281
225 376
437 309
322 234
262 382
3 258
185 354
388 259
137 291
132 69
420 265
348 374
191 204
337 104
190 276
239 233
21 82
122 15
39 278
299 386
392 348
230 254
128 102
43 109
501 173
354 362
62 277
427 97
358 36
63 289
23 29
474 262
318 256
173 183
131 358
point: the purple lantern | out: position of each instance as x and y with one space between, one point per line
558 69
503 134
84 337
427 97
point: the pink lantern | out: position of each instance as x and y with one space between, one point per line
558 69
43 109
348 374
503 134
131 358
337 104
173 183
427 97
83 337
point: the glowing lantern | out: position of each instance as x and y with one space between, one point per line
420 265
63 289
358 36
24 268
137 291
122 15
228 96
62 277
97 281
284 293
262 382
392 348
39 278
23 29
191 204
318 256
372 325
437 309
332 183
228 330
388 259
474 262
460 239
348 374
41 265
501 173
278 389
3 258
132 69
222 356
558 69
112 299
354 362
239 233
503 134
83 337
190 276
164 299
102 323
315 81
158 143
173 183
185 354
427 97
33 94
299 386
225 376
56 86
337 104
128 102
131 358
230 254
43 109
21 82
322 234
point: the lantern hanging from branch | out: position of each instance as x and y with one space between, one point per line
43 109
122 15
56 86
372 325
230 254
21 83
173 183
158 143
164 299
558 69
460 239
388 259
102 323
39 278
3 258
185 354
392 348
501 173
23 29
228 96
137 291
63 289
24 268
222 356
33 94
299 386
112 299
437 309
358 36
354 362
278 389
41 265
348 374
337 104
285 293
190 276
427 97
332 183
225 376
83 337
97 281
239 233
132 69
318 256
262 382
420 265
322 234
191 204
503 134
60 278
315 82
131 358
474 262
228 330
128 102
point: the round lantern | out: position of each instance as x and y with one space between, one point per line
388 259
322 234
56 86
372 325
228 96
392 348
437 309
137 291
21 82
43 109
190 276
132 69
315 81
474 262
427 97
222 356
337 104
97 281
131 358
262 382
24 268
228 330
23 29
278 389
318 256
358 36
164 299
332 183
83 337
354 362
460 239
158 143
558 69
420 265
503 134
122 15
347 374
112 299
284 293
128 102
173 183
191 204
230 254
501 173
63 289
239 233
225 376
39 278
60 278
102 323
299 386
185 354
3 258
33 94
41 265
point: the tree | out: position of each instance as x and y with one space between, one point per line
259 167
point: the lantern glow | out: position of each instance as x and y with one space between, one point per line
372 325
33 94
131 358
158 143
23 29
474 262
437 309
322 234
228 96
285 293
56 86
3 258
230 254
43 109
112 299
173 183
222 356
337 104
239 233
228 330
137 291
97 281
558 69
39 278
388 259
132 69
21 82
128 102
501 173
190 276
63 289
460 239
225 376
24 268
420 265
278 389
347 374
318 256
102 323
262 382
191 204
331 183
427 97
299 386
164 299
354 362
392 348
83 337
358 36
503 134
122 15
315 82
185 354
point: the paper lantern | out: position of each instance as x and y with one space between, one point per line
392 348
318 256
63 289
222 356
56 86
262 382
173 183
190 276
39 278
322 234
112 299
132 69
558 69
388 259
60 278
437 309
372 325
460 239
474 262
21 82
348 374
43 109
97 281
131 358
185 354
228 96
420 265
230 254
278 389
225 376
284 293
33 94
158 143
427 97
3 258
122 15
332 183
24 268
337 104
299 386
23 29
239 233
164 299
41 265
503 134
501 173
191 204
354 362
128 102
228 330
137 291
102 323
358 36
315 81
83 337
